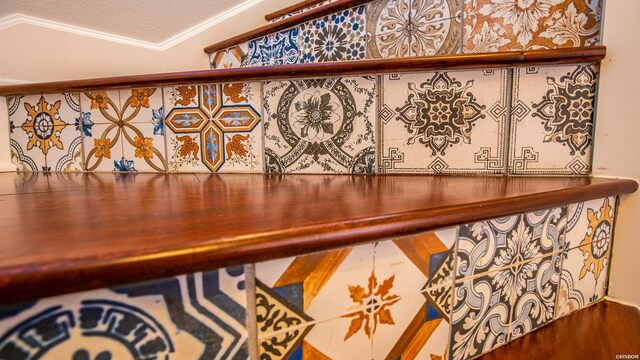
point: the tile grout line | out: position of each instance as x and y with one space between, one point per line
252 322
164 132
557 303
506 141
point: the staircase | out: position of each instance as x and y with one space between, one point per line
357 180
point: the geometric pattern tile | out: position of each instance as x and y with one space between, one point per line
498 25
231 58
443 122
404 28
214 128
322 3
500 243
320 125
552 120
123 130
279 48
195 316
45 132
334 37
586 257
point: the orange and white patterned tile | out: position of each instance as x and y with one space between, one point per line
231 58
214 128
552 119
590 221
45 132
127 130
499 25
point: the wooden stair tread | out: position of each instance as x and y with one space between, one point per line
601 331
70 232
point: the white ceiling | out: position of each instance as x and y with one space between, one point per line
146 20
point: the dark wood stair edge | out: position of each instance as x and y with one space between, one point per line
285 24
28 282
601 330
291 9
342 68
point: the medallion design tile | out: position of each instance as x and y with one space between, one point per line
334 37
499 25
404 28
196 316
279 48
552 120
123 130
500 243
214 128
320 125
586 263
443 122
45 132
231 58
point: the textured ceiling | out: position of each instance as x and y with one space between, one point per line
147 20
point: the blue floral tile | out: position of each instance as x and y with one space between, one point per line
195 316
44 134
280 48
334 37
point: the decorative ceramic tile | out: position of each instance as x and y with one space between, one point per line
327 340
334 37
590 221
585 268
535 292
274 49
320 125
302 10
443 122
214 128
230 58
499 25
402 28
481 311
552 120
494 244
301 290
124 130
45 132
197 316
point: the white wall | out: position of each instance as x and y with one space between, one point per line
35 54
617 141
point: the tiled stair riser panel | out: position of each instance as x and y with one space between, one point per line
536 120
455 293
405 28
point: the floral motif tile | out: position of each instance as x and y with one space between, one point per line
302 290
45 132
124 130
230 58
403 28
196 316
443 122
499 25
279 48
585 268
552 119
327 340
320 125
590 221
214 128
495 244
334 37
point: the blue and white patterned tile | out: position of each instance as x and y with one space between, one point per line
494 244
320 125
552 120
334 37
43 130
443 122
279 48
196 316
